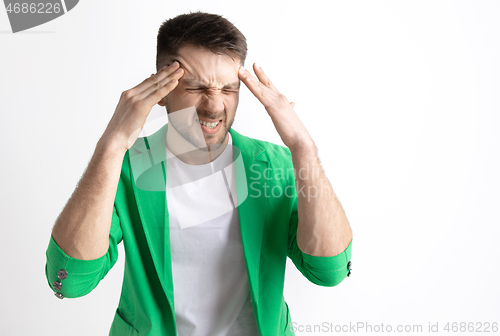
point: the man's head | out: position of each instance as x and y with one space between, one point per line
210 49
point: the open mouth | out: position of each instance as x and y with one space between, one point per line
210 127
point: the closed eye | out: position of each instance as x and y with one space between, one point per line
201 89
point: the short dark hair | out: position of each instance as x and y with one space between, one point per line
209 31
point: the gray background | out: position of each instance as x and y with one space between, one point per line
401 98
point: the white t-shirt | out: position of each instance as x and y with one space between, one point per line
211 292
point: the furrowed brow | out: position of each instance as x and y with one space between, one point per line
197 83
193 82
235 85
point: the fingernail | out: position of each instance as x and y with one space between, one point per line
173 64
257 66
242 70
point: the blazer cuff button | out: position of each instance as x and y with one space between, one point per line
57 285
62 274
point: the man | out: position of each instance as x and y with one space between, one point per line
211 260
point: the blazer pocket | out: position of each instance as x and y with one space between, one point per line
120 327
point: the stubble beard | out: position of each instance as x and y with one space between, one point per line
209 147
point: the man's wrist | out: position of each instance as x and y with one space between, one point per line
110 145
304 145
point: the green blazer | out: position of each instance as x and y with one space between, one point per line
268 223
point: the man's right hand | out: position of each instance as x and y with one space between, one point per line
135 104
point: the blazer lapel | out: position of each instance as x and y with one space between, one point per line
252 211
148 162
148 166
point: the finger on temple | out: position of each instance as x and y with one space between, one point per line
154 78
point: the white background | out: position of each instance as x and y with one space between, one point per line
401 98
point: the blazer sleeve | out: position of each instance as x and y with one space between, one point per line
323 271
71 278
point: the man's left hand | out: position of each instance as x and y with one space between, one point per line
290 128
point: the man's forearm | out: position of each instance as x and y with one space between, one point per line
82 228
323 229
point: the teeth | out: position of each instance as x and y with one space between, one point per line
209 125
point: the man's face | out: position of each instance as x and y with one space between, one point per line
210 84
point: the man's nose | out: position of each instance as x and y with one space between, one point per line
213 102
